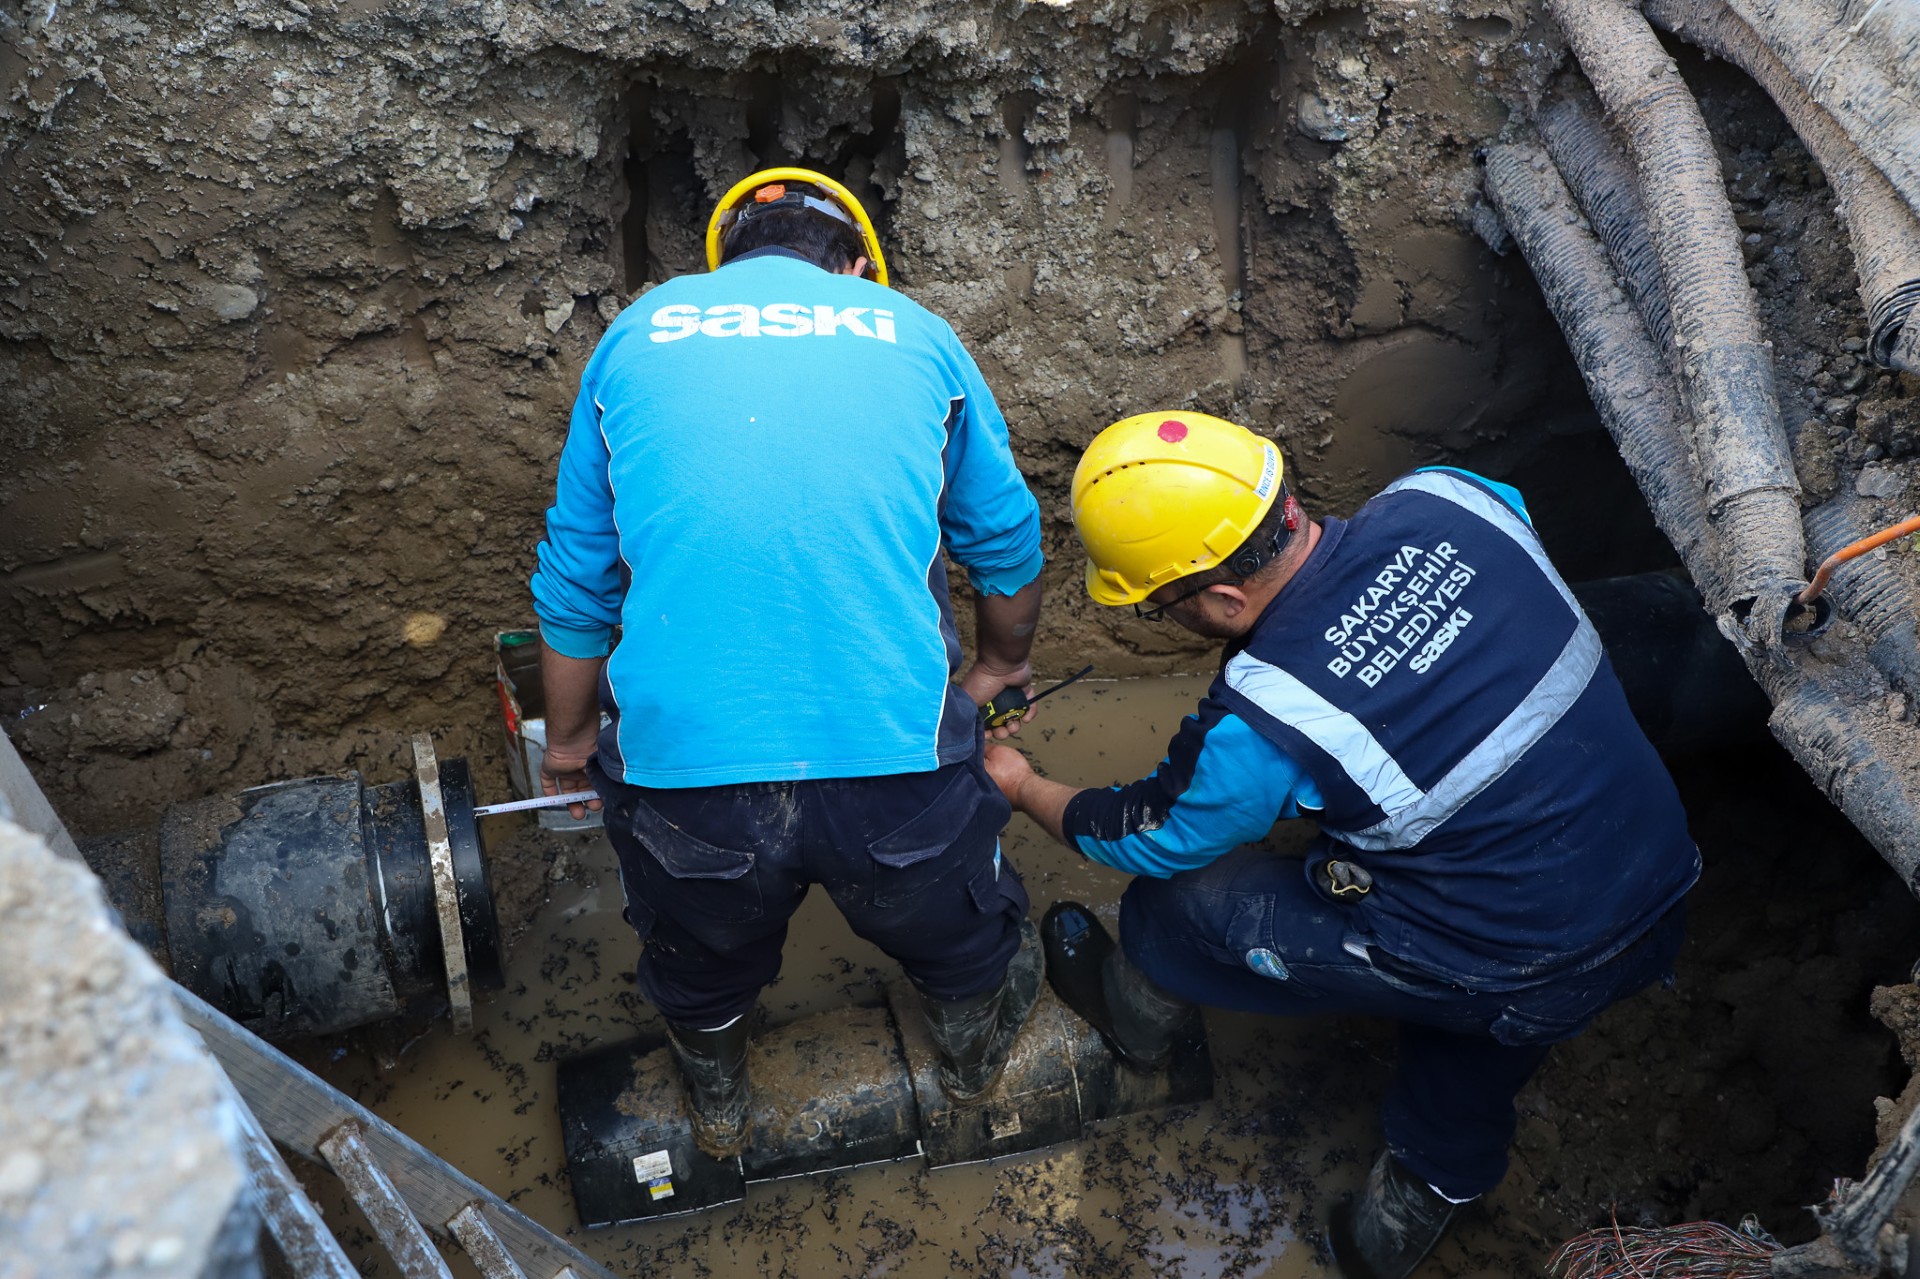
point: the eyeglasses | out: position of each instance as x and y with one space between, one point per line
1160 611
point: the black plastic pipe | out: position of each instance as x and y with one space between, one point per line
307 907
837 1090
1685 684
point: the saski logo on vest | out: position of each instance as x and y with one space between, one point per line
1413 593
775 320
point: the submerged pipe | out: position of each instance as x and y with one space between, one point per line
1883 230
838 1090
1724 362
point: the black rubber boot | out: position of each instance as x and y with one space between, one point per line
714 1064
1139 1021
1395 1224
974 1035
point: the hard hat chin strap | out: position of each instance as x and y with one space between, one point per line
1249 560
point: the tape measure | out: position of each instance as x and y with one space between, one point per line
1010 704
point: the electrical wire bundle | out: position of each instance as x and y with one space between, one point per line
1694 1250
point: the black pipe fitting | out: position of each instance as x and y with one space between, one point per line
308 907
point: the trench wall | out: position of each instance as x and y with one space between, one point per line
294 297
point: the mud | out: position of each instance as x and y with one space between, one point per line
1677 1105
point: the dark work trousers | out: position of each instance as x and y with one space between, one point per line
1249 933
713 873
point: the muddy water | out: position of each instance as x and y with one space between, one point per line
1238 1186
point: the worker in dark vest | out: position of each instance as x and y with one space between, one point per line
768 467
1501 854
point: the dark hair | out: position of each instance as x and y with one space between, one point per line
1269 539
828 244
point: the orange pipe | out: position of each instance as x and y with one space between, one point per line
1853 551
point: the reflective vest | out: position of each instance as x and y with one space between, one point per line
1436 677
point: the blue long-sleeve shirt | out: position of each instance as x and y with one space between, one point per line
765 468
1221 785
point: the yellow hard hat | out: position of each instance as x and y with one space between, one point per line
1158 496
769 186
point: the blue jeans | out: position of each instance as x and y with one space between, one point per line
713 873
1249 933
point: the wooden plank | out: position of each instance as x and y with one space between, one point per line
298 1109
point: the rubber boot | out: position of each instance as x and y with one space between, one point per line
974 1035
714 1064
1139 1021
1395 1224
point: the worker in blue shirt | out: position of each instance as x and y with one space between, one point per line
768 468
1501 854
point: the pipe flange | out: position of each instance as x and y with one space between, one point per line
486 959
446 885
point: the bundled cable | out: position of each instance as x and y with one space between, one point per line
1696 1250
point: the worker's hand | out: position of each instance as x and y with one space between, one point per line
1010 771
983 679
563 770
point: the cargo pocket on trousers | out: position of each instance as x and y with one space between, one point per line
639 916
1518 1029
735 892
995 888
906 860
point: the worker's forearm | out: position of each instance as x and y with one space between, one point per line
1004 626
572 686
1046 802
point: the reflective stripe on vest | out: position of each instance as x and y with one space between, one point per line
1411 813
1478 501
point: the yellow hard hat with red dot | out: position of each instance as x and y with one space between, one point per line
1159 496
